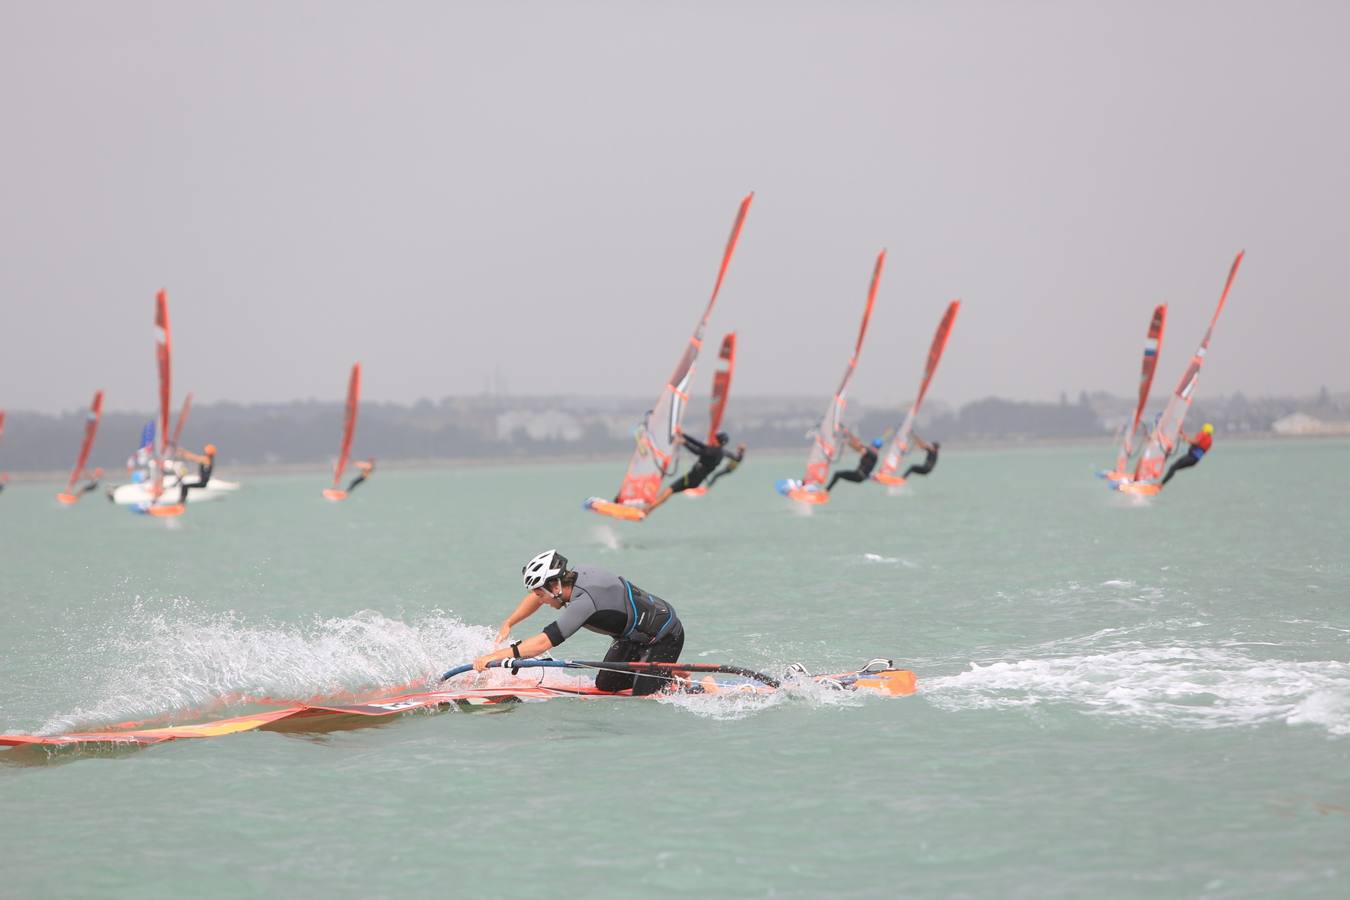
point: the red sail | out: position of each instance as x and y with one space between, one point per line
825 442
1152 347
721 386
899 443
90 430
164 358
658 438
349 423
1167 432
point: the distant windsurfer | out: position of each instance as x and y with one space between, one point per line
92 484
205 464
866 462
365 469
1200 445
733 461
710 456
929 461
644 628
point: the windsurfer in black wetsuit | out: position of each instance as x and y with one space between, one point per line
1199 446
365 469
929 461
644 627
204 466
710 456
92 484
733 460
866 462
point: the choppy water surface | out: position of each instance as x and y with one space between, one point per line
1116 699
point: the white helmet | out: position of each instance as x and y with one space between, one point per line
544 567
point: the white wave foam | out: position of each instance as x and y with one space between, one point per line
172 664
734 704
607 537
1178 686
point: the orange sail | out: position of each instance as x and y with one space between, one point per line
90 431
1152 347
825 441
721 386
899 443
658 437
163 358
1163 442
348 427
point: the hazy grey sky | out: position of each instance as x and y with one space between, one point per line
444 190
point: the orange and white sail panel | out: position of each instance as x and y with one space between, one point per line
658 438
1163 440
899 442
348 431
91 420
825 440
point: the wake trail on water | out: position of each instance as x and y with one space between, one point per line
174 664
161 665
1180 685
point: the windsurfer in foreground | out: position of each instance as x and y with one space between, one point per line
365 468
866 462
929 461
1200 445
204 466
644 627
710 456
733 460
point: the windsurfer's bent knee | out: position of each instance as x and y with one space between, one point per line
205 464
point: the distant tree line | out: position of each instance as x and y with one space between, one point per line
307 432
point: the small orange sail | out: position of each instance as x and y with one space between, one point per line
348 430
90 431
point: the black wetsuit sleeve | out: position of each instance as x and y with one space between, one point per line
574 615
694 444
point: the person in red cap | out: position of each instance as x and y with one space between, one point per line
1200 445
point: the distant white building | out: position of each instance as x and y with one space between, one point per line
1303 425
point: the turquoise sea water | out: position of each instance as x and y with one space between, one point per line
1117 699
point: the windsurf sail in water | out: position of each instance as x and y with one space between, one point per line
528 684
348 430
899 444
1152 347
91 420
1163 440
658 437
825 439
721 385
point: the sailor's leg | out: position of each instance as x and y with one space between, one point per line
665 650
619 651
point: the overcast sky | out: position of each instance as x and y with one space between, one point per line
541 191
